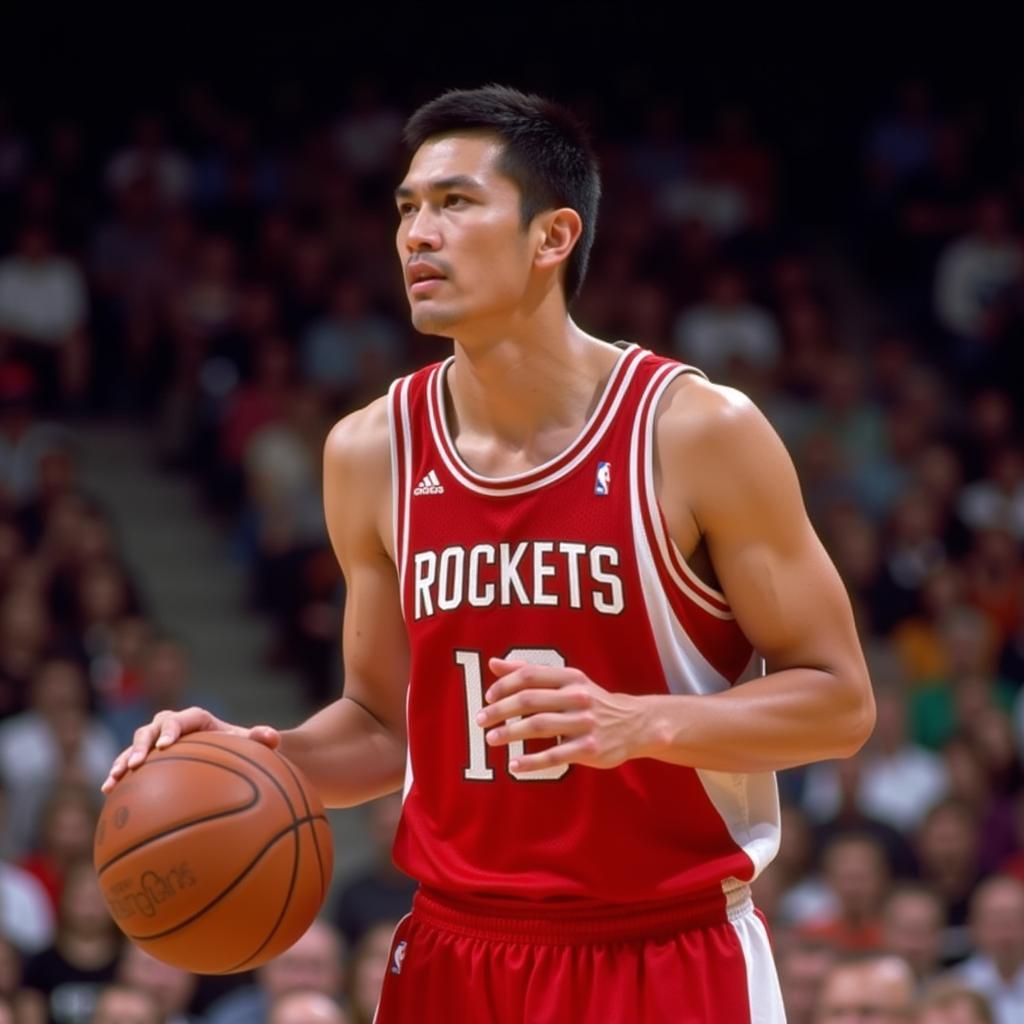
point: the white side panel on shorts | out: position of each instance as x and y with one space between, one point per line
763 992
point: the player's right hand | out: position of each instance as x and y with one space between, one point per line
168 726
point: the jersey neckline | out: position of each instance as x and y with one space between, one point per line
517 483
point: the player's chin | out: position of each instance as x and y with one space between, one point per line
430 319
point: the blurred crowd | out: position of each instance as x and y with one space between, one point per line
229 280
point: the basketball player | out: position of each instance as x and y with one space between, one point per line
565 561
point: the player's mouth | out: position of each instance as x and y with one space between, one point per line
424 287
423 277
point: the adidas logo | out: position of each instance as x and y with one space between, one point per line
429 485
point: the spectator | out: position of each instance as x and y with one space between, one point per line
803 966
996 969
1011 660
341 351
974 282
916 543
26 918
315 962
11 965
43 312
370 961
14 151
942 706
54 741
171 988
238 178
918 633
381 892
25 631
994 574
260 402
128 265
65 837
850 819
121 1004
306 1007
948 1003
727 329
898 780
913 919
66 979
876 987
997 501
149 155
855 869
25 442
368 135
846 418
934 205
947 849
165 682
901 143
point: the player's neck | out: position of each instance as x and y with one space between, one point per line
518 399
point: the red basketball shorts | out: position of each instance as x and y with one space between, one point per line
689 963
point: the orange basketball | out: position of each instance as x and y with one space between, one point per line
215 855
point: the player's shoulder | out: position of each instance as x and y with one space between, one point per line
697 411
360 440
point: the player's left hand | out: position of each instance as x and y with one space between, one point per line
592 726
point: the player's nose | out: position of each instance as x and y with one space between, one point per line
422 233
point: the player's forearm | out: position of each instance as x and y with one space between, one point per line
348 755
788 718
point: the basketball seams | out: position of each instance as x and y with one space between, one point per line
235 882
312 826
191 823
300 805
284 906
250 761
296 825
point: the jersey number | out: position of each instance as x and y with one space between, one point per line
472 675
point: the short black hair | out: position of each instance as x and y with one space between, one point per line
547 153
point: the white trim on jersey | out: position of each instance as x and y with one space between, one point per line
396 491
686 669
409 774
606 410
692 585
405 493
748 804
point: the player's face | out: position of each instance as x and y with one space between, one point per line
464 251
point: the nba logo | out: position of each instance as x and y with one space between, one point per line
398 957
603 483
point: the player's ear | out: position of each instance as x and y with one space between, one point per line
559 231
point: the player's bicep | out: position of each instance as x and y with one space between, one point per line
780 583
356 506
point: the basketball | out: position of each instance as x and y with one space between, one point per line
214 855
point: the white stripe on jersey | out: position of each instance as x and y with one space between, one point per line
466 477
747 803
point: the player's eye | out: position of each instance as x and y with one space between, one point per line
404 209
455 200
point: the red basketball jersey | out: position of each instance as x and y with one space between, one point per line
567 564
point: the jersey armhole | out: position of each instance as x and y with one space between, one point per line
664 548
401 470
